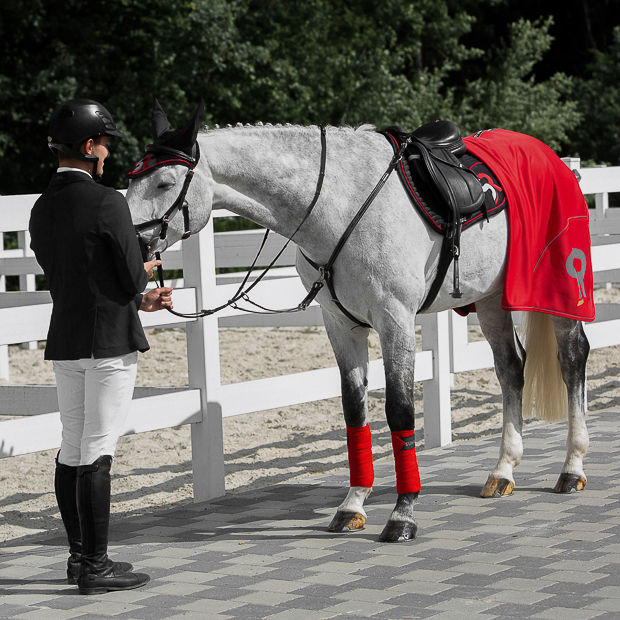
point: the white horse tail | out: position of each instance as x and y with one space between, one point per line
544 394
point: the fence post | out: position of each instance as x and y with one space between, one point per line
437 409
4 349
203 359
27 281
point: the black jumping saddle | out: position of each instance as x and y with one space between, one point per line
444 183
433 153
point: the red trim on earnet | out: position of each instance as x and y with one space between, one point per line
405 463
164 162
359 448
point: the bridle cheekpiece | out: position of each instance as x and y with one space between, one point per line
158 155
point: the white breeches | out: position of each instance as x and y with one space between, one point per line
94 396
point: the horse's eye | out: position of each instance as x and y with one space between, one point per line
165 185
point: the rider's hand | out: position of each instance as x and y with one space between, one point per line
157 299
148 267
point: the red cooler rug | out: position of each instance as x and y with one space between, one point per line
548 267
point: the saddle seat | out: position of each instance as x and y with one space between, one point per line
440 134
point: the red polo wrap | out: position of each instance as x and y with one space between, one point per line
359 448
405 462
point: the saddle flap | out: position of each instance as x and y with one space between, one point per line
454 185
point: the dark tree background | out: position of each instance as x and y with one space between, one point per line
549 69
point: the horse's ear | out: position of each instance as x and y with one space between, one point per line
190 133
159 121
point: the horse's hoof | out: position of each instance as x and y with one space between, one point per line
567 483
399 531
497 487
351 521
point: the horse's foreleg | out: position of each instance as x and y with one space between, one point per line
509 359
573 350
398 345
351 351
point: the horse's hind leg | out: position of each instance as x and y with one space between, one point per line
509 358
351 350
573 350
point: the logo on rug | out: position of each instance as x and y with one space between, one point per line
580 256
489 186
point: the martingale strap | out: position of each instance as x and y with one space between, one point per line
325 271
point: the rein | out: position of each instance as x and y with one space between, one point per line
325 275
242 292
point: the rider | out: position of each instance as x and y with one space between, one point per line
83 238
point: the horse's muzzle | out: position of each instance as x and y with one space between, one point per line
148 249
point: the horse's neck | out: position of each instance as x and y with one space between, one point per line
266 174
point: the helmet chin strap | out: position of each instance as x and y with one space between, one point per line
96 176
95 160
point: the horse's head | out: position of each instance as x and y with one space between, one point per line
165 204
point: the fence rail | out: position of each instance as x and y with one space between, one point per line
446 349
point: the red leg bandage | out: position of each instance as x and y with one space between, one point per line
359 448
405 462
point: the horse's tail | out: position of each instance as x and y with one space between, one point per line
544 393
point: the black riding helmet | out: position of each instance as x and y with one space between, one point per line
75 121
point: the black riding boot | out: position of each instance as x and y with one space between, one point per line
65 481
98 574
65 486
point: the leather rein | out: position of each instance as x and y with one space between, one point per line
325 271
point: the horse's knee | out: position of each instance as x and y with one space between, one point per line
355 401
399 404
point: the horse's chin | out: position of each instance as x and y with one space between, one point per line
157 245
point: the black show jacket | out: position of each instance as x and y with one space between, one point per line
83 238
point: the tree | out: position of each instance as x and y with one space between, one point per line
510 97
309 62
119 52
598 138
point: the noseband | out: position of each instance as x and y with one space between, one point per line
180 204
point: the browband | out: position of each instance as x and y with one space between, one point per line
157 155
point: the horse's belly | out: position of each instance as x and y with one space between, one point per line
481 264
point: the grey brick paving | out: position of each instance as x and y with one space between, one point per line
267 553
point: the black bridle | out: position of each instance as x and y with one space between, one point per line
180 204
325 275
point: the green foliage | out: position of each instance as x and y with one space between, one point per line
119 52
227 224
509 95
598 98
479 62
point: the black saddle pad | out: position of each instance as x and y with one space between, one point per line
433 211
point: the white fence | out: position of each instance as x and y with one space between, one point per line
24 318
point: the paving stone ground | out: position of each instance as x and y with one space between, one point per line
268 554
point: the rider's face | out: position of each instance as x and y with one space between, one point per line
100 148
